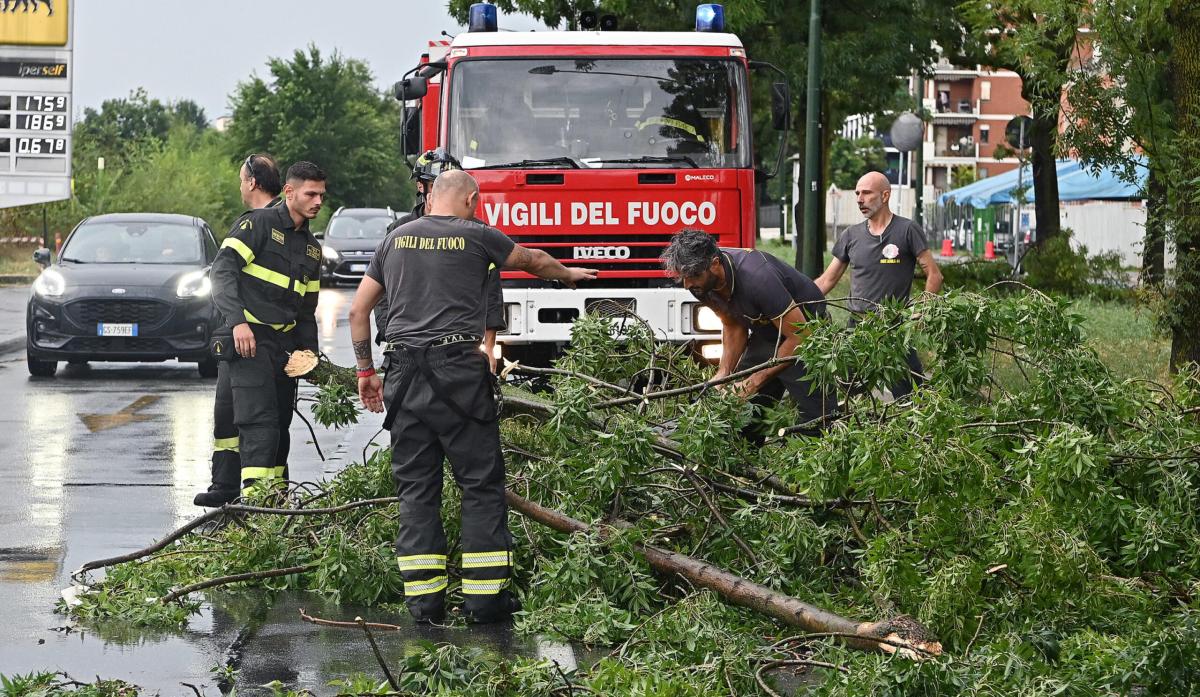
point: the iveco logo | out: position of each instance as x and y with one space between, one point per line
118 291
602 252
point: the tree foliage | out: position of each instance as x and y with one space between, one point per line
325 109
1038 514
849 159
124 123
1037 39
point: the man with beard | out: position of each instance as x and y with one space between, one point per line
266 279
763 304
882 252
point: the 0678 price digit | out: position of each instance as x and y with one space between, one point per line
41 146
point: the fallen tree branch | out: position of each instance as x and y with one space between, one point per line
347 625
229 508
917 642
236 578
378 656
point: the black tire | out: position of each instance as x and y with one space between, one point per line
39 368
208 368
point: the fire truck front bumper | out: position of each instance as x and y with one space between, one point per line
544 315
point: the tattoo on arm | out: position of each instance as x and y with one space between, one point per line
520 257
362 349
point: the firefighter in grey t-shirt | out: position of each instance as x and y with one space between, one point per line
882 253
439 393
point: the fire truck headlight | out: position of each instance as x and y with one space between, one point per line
710 17
711 352
706 320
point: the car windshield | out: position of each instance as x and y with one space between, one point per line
604 113
358 227
134 243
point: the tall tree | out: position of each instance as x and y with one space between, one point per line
1184 69
1135 103
1035 39
124 124
326 110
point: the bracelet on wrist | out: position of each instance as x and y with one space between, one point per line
364 372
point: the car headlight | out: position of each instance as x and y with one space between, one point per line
194 285
50 284
329 253
706 320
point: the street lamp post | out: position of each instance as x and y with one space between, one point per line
812 257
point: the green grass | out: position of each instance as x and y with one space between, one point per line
17 259
1125 337
1121 332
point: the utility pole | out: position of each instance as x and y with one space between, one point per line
919 211
814 232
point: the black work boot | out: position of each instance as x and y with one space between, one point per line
427 609
500 609
215 497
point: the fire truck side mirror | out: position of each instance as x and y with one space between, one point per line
413 87
781 112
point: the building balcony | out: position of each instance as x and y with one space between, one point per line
955 110
951 153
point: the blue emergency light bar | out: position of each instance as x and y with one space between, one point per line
710 17
482 17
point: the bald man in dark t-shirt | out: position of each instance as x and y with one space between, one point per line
881 252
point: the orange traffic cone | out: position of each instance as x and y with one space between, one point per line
947 248
989 250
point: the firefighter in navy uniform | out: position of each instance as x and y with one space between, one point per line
266 281
440 400
260 188
429 165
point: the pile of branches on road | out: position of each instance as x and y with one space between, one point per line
1025 523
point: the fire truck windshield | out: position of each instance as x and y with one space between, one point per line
599 113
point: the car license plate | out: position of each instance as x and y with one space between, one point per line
116 329
358 268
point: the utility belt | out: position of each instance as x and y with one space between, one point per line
406 360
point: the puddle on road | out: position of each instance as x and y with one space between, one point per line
27 565
263 638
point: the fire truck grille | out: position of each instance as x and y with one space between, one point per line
606 253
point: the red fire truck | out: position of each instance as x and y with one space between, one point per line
597 146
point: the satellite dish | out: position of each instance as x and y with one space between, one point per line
907 132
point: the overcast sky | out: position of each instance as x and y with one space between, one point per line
201 49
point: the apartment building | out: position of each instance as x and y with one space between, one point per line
969 106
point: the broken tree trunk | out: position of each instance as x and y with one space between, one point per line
901 634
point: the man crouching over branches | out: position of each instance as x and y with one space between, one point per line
439 392
763 304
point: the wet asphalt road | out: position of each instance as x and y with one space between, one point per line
104 459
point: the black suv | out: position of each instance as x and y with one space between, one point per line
350 240
126 287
